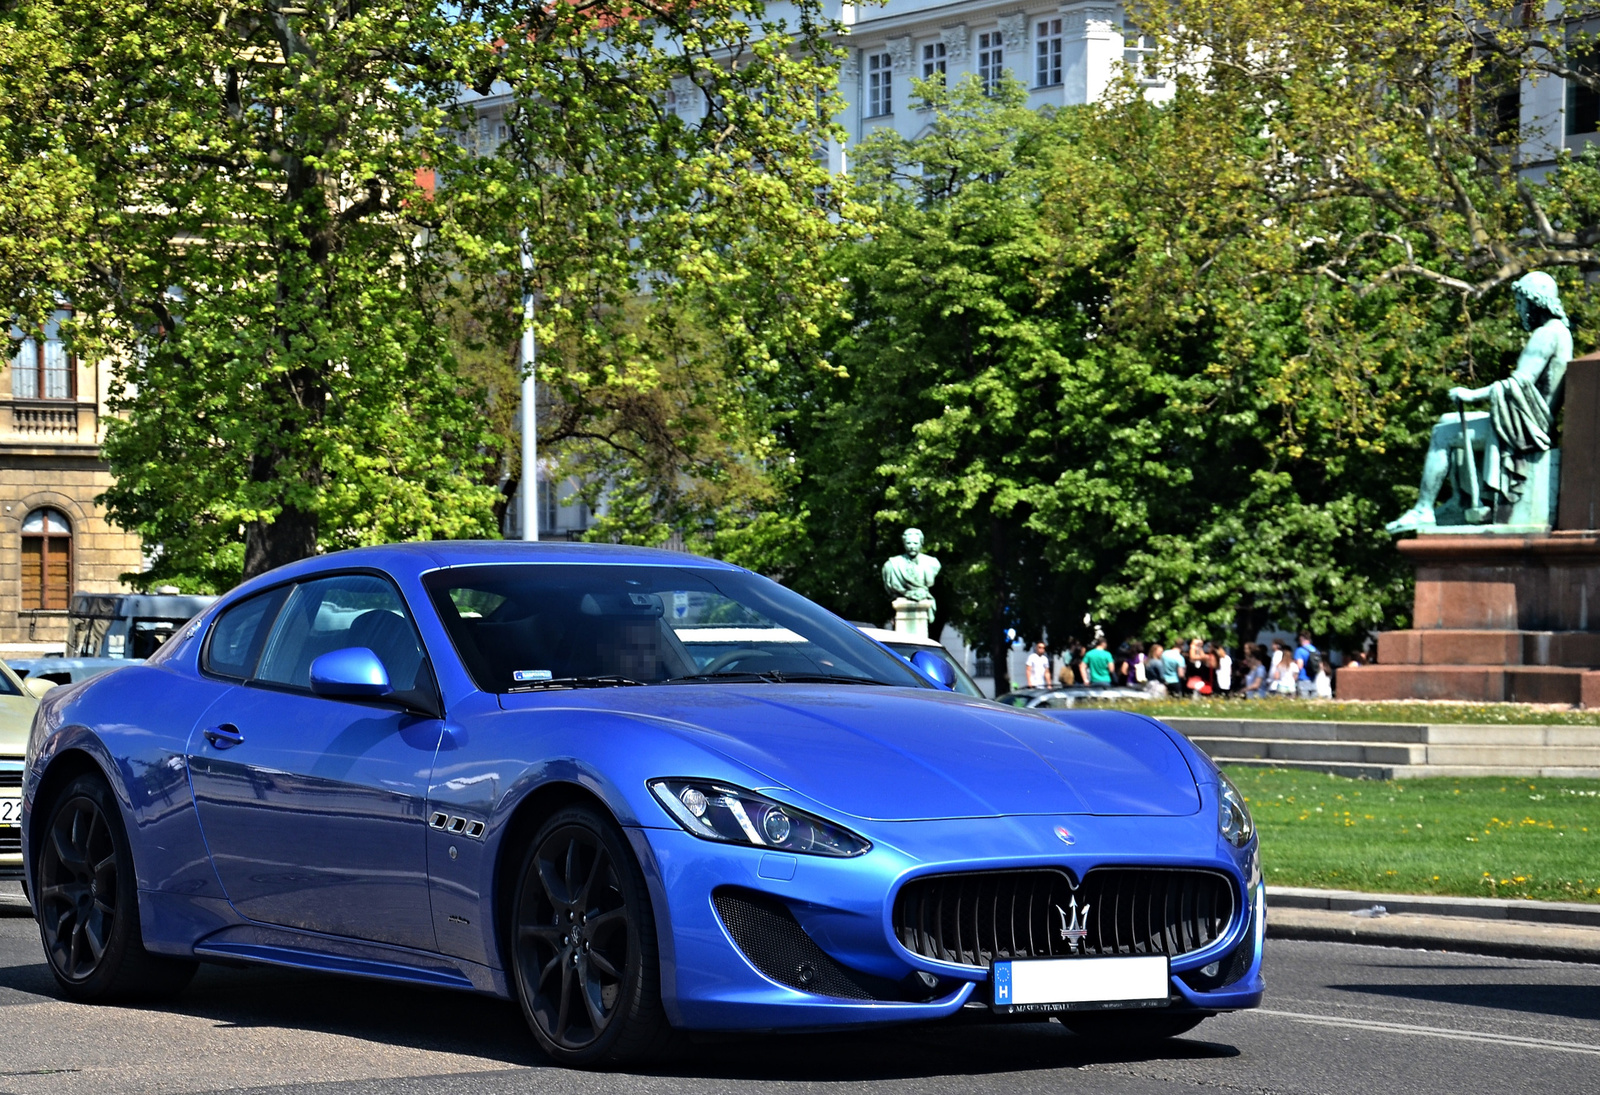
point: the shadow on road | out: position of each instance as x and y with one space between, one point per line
477 1026
921 1051
1569 1001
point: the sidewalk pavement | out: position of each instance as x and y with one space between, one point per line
1553 930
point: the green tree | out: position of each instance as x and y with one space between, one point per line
677 153
1087 354
284 216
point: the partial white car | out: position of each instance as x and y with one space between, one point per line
17 704
908 645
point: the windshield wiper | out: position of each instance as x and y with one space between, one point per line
774 676
601 680
821 678
744 675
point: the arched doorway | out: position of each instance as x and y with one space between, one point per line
46 561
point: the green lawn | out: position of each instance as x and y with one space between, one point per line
1482 837
1390 711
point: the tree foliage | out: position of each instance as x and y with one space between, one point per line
1090 356
1441 120
280 216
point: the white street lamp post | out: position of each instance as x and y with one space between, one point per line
530 420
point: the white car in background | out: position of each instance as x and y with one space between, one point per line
908 645
17 704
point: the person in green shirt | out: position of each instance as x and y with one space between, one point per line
1098 663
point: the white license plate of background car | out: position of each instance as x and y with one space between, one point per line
1045 983
10 811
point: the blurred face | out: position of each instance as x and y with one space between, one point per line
1038 648
913 542
631 651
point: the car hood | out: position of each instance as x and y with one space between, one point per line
899 754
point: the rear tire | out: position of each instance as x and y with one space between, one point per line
583 946
1130 1028
87 903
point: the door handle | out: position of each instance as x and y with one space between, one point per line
225 736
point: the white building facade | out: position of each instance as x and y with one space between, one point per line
1064 54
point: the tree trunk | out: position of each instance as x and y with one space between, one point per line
291 536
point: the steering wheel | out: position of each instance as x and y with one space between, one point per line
733 657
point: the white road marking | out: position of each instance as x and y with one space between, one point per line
1483 1037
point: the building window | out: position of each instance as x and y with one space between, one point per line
46 561
42 368
1583 103
880 88
991 60
1047 52
1493 95
933 62
1139 53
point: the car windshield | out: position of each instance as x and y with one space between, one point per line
526 626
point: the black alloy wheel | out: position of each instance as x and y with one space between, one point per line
584 949
87 903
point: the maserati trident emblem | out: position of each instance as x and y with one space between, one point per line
1066 837
1076 926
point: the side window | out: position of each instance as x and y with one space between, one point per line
238 634
346 610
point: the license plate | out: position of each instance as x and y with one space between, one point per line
1069 984
10 811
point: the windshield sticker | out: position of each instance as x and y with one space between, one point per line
530 675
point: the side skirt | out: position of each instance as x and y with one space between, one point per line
350 957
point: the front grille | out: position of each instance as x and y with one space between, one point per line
10 841
973 919
10 777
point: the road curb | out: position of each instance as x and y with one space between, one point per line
1463 935
1572 913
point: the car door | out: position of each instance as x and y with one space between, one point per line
314 808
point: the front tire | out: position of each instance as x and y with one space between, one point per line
583 947
88 904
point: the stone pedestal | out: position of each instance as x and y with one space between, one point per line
1509 617
1496 618
912 617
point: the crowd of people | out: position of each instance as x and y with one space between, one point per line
1193 668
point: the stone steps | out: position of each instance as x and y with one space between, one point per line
1399 750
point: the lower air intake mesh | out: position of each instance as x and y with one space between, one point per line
769 935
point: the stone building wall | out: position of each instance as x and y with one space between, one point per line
50 459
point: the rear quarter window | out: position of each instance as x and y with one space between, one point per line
239 633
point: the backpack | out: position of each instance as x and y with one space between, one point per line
1313 662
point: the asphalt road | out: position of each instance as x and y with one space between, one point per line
1339 1019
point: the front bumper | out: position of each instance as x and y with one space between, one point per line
845 907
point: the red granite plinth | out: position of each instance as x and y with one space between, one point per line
1497 618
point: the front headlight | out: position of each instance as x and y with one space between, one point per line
1233 816
721 811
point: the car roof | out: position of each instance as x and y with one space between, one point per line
424 555
883 635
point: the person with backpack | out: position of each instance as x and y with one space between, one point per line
1308 663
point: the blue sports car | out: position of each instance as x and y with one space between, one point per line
634 791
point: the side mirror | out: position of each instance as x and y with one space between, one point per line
354 672
935 668
37 686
